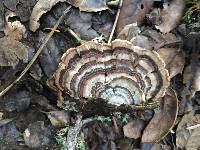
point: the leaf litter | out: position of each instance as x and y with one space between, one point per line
140 22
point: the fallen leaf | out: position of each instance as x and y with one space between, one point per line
89 5
5 121
133 11
24 9
188 139
158 146
1 15
9 135
193 141
124 144
170 15
37 136
15 101
59 118
1 116
12 51
174 60
148 38
14 28
43 102
81 24
50 55
163 119
11 4
41 7
103 23
129 31
191 77
133 129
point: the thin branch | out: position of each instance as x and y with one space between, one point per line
115 23
37 53
193 127
73 132
78 39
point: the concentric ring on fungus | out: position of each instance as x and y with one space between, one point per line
119 73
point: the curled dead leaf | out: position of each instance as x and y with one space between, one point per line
191 78
133 129
1 15
133 11
5 121
37 136
41 7
174 60
81 24
89 5
129 31
14 29
163 120
1 116
170 15
188 139
158 146
12 51
59 118
148 38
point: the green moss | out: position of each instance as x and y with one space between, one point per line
61 139
192 15
81 145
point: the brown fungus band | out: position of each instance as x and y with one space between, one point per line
119 73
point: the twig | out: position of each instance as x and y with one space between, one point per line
193 127
37 53
115 23
78 39
74 131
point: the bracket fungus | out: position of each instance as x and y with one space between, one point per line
119 73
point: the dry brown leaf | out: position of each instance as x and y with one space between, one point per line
1 116
188 139
147 38
14 29
124 144
12 51
5 121
89 5
163 120
170 15
133 11
81 24
158 146
37 136
41 7
174 60
191 78
59 118
1 15
133 129
129 31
